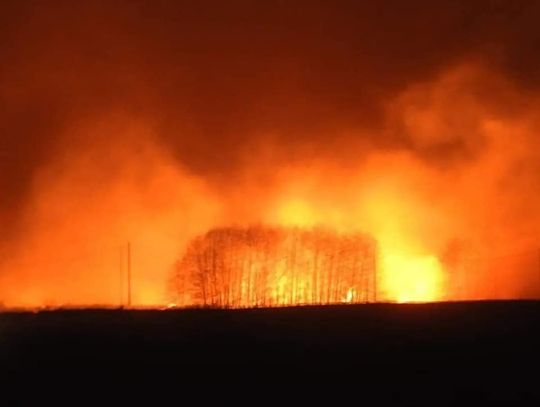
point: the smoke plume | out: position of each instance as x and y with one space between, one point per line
153 122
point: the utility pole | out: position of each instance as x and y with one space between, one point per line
121 268
129 274
375 274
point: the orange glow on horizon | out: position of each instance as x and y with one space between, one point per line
441 224
405 275
412 279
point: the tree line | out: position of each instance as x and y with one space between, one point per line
271 266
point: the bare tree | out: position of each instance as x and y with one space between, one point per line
246 267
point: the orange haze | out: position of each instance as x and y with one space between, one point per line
155 122
461 232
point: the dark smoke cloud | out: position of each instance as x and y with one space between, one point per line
218 79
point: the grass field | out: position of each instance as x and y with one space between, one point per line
378 334
435 352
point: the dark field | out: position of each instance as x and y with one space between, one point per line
480 346
378 334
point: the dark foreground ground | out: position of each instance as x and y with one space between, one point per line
490 349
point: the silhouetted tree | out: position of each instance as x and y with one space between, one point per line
266 266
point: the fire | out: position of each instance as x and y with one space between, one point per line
431 202
296 212
349 297
412 279
275 266
409 269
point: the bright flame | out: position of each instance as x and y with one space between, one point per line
349 297
412 279
296 212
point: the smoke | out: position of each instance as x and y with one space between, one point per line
115 185
464 189
153 122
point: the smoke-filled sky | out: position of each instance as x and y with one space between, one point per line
153 121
